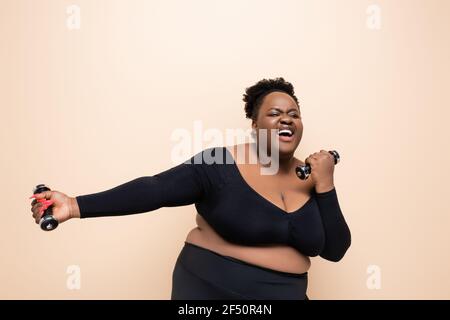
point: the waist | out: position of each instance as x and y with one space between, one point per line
276 258
200 266
242 262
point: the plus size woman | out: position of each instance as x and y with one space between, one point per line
255 232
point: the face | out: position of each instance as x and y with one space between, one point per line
280 111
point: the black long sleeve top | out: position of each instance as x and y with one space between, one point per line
230 205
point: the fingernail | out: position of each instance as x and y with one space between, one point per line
34 195
41 200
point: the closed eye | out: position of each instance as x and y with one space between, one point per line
276 114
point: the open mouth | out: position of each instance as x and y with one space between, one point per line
286 135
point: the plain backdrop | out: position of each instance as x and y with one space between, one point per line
84 110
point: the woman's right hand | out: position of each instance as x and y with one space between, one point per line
63 206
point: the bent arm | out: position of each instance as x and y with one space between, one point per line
337 232
180 185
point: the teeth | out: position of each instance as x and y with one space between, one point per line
285 131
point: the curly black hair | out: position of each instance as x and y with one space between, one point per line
255 94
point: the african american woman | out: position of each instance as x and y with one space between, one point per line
255 232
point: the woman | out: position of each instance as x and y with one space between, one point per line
255 231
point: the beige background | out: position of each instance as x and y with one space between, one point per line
85 110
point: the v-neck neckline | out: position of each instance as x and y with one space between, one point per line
251 189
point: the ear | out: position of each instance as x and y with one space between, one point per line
254 126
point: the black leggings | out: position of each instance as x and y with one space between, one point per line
202 274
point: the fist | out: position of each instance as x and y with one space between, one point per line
322 168
62 205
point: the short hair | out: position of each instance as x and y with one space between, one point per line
255 94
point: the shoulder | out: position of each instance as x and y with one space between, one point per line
212 155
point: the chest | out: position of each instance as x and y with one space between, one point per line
270 211
286 191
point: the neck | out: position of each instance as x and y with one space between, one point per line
286 161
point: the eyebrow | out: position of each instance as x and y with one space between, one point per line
278 109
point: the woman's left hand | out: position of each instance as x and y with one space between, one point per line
322 169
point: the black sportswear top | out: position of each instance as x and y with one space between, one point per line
230 205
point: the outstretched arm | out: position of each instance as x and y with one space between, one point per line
178 186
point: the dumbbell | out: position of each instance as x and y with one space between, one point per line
303 172
47 222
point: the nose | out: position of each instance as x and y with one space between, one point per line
286 119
